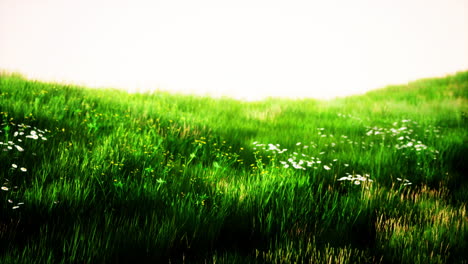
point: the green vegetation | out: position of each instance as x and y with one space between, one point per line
102 176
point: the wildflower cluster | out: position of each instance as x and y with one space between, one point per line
12 139
299 161
404 182
403 136
269 147
219 151
406 138
22 133
357 179
347 116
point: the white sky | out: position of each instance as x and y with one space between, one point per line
244 48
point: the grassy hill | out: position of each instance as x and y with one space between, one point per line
102 176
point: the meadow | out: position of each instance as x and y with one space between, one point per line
103 176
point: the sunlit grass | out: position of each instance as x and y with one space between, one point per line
92 176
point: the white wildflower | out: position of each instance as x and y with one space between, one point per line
20 149
272 147
32 136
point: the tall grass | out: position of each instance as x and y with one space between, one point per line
102 176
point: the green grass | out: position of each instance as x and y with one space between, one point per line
102 176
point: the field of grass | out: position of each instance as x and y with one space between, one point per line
102 176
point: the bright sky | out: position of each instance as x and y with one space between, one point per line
246 49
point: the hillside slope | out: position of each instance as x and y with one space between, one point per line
99 176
